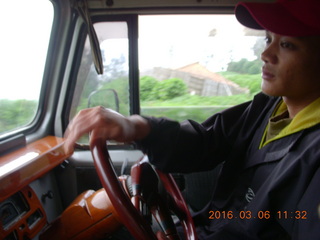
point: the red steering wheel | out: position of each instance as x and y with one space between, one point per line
129 211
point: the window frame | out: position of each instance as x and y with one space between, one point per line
39 115
131 16
133 74
42 123
61 65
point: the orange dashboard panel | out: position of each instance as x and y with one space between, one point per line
21 167
22 215
90 216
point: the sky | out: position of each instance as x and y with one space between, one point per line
191 40
23 46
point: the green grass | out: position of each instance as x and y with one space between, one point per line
250 81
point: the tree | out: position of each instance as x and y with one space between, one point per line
245 66
16 113
115 69
147 84
169 89
259 47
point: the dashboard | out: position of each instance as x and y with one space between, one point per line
22 215
29 198
31 206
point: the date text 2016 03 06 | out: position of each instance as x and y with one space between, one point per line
301 215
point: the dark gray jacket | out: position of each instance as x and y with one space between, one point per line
267 193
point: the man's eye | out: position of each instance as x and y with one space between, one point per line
287 45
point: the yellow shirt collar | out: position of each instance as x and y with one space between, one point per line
306 118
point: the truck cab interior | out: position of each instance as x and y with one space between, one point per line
181 59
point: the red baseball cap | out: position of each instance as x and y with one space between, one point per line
295 18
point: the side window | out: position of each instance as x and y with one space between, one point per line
25 32
192 66
110 89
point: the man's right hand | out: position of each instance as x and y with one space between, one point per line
105 124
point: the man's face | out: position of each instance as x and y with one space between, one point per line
291 67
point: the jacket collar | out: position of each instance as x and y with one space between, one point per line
306 118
